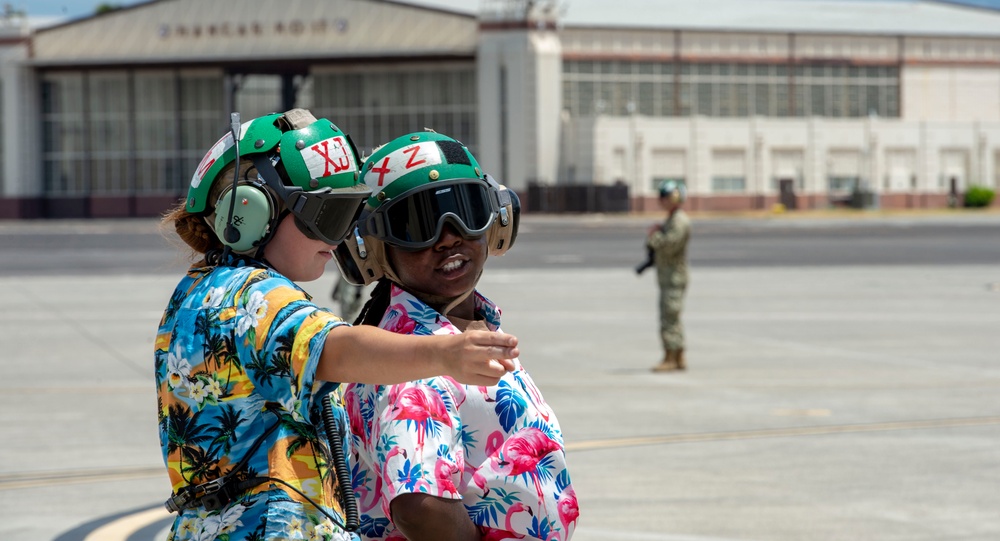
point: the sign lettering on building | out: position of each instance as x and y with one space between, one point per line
294 27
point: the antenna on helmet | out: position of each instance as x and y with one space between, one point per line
232 234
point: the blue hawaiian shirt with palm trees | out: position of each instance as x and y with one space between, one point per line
236 356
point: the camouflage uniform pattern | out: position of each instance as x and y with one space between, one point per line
669 245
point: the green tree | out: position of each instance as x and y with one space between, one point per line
979 196
105 7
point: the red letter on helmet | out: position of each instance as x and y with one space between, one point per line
322 157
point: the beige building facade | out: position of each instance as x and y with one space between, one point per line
810 104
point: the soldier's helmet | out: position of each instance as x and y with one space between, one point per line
673 189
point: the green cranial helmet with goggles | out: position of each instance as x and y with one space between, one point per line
289 163
419 182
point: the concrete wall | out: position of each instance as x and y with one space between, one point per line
906 163
20 175
520 97
951 93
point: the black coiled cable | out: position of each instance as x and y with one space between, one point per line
335 438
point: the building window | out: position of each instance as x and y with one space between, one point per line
728 171
127 132
842 185
666 164
157 167
257 95
64 134
203 116
729 184
108 132
377 105
843 168
729 89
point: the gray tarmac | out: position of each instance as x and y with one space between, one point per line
824 401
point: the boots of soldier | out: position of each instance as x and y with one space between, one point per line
681 363
669 363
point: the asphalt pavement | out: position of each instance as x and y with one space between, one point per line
827 398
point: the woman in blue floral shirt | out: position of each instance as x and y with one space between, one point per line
244 359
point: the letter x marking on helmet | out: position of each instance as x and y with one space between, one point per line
382 170
342 164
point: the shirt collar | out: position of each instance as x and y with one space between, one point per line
425 315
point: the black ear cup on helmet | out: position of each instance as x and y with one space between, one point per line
255 210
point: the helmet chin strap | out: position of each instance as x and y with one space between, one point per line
461 298
377 250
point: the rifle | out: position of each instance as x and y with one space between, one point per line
649 262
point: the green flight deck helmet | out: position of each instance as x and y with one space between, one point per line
420 181
290 163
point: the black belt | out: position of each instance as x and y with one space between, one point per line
213 495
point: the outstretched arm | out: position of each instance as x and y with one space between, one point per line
366 354
422 517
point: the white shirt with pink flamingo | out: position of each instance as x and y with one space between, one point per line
498 449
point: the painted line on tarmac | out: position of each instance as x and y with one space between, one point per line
782 433
142 524
85 531
123 528
619 535
12 481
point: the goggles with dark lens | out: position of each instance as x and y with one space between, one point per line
414 219
327 214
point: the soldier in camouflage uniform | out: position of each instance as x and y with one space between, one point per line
668 242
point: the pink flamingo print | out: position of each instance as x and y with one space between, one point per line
420 405
492 534
522 452
461 392
353 407
362 491
569 511
443 471
385 479
493 443
397 321
535 395
457 391
385 463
